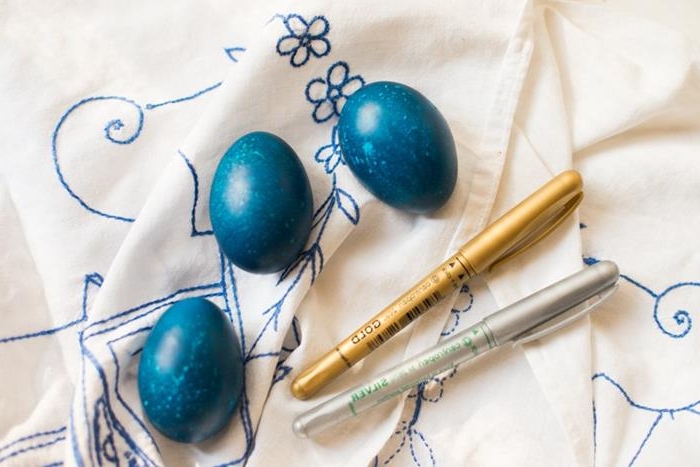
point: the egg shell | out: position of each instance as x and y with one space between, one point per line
190 375
399 146
261 203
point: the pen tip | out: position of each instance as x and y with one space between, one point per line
299 428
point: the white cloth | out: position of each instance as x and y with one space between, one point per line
115 116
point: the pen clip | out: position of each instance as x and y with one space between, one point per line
543 226
566 318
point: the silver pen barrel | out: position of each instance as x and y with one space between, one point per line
424 366
511 322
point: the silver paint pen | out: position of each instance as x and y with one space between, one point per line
533 317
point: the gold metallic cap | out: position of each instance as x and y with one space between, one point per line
526 224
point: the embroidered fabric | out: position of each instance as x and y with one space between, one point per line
109 146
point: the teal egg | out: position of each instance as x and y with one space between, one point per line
399 146
190 375
261 203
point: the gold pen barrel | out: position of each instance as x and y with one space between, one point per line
440 283
522 226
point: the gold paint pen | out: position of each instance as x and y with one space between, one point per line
525 224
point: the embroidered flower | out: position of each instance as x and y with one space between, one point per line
433 389
329 95
330 155
304 39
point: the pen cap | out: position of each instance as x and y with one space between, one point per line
549 303
527 223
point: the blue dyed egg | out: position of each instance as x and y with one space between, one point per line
191 371
399 146
261 203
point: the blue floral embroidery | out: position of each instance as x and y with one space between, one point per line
430 391
681 318
290 344
456 313
660 412
119 130
329 94
305 38
312 259
407 431
330 155
232 51
32 442
313 256
107 415
195 232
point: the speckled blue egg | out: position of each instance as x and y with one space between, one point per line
191 371
261 203
399 146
